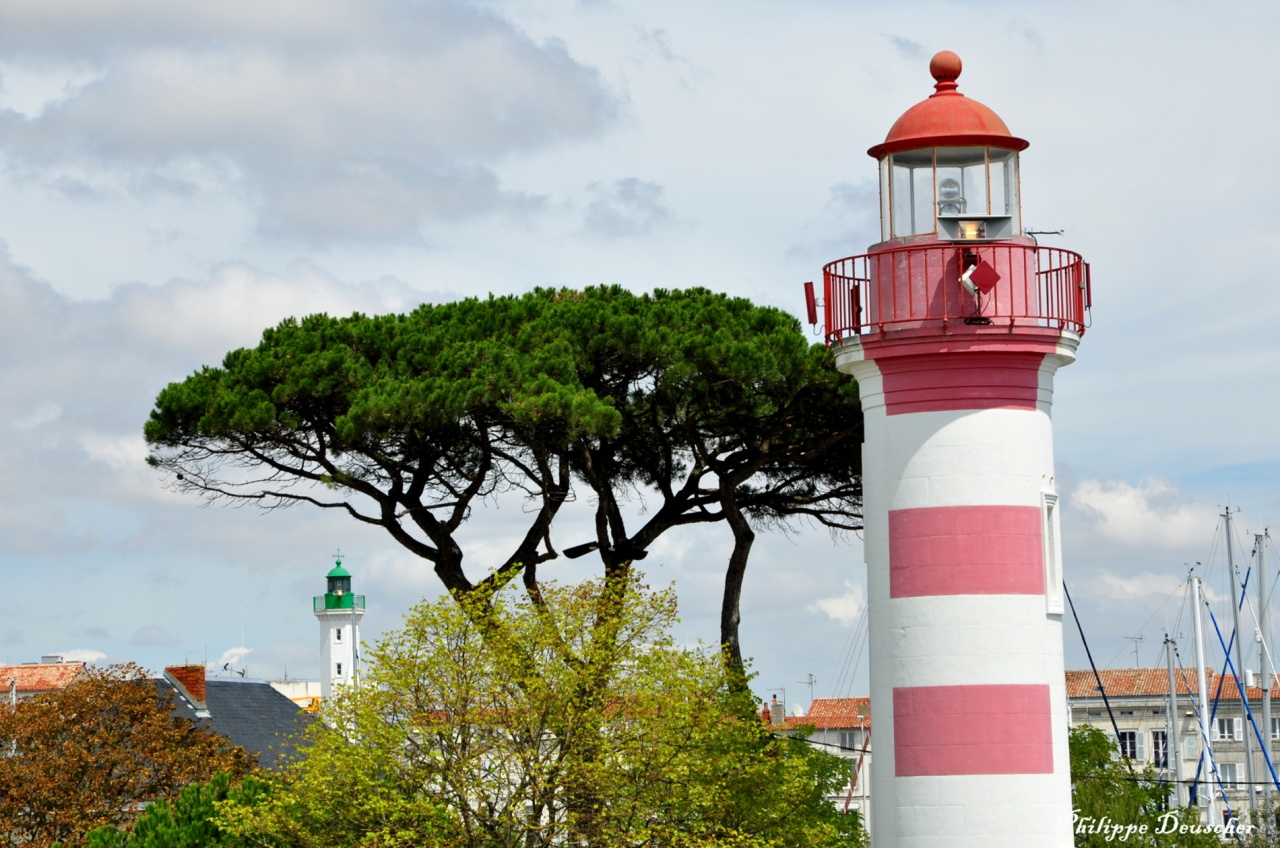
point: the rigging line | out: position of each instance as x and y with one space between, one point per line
1207 753
857 660
1244 701
1182 584
1201 726
842 667
1265 650
1102 689
1213 717
843 680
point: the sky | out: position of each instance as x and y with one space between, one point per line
176 178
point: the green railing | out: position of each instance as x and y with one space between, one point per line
344 601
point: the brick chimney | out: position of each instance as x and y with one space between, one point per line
188 680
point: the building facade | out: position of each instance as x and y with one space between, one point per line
1152 731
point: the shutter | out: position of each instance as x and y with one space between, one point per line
1213 732
1139 748
1188 747
1238 732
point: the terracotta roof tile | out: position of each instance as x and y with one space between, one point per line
833 713
1131 682
42 677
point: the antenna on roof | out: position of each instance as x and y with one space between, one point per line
809 680
1136 640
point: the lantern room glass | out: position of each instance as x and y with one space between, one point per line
919 186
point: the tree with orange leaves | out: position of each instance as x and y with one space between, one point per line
95 753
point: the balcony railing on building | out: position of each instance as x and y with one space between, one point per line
920 288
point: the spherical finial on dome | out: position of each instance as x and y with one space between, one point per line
945 66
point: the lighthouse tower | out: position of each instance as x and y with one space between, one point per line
339 613
954 326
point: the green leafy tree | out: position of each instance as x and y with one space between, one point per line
1116 803
709 407
547 731
187 821
96 751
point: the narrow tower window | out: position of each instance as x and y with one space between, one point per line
339 674
1052 554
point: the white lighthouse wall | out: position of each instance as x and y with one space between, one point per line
960 458
335 651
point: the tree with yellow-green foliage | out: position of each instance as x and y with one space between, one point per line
576 720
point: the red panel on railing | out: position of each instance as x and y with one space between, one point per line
918 286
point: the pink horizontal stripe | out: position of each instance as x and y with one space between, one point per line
960 380
965 550
951 730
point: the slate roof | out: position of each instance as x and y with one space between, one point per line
39 677
254 716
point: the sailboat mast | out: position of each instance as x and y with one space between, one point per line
1240 681
1209 769
1171 736
1268 669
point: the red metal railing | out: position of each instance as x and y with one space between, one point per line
919 286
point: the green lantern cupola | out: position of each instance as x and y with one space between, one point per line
339 580
338 589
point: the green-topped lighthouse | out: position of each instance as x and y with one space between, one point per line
339 611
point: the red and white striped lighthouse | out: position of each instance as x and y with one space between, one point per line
954 325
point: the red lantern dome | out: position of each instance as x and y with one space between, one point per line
947 118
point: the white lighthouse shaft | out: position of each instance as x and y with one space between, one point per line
339 642
965 599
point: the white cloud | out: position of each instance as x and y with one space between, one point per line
120 453
234 306
1153 514
397 571
84 655
42 414
232 659
356 121
843 608
1137 587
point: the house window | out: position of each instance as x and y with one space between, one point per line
1275 728
1160 748
1229 773
1130 742
851 739
339 667
1228 729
